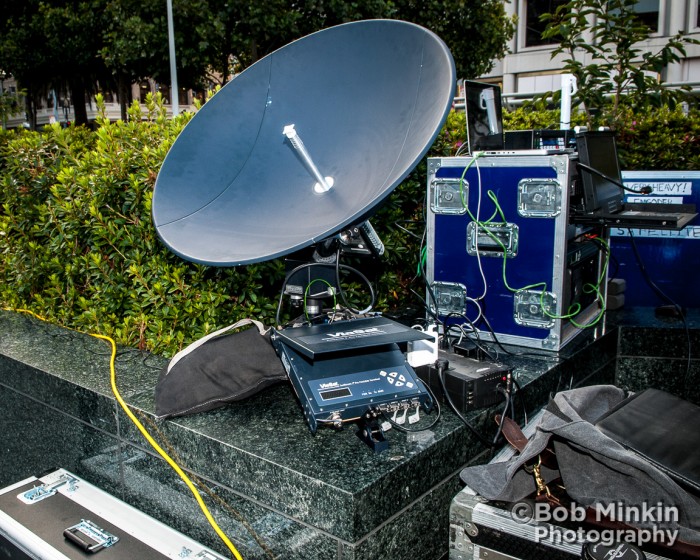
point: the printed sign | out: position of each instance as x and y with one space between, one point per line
661 188
688 232
656 199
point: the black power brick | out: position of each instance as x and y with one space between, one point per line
470 383
469 349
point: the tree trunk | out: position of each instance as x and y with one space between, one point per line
124 95
30 109
77 92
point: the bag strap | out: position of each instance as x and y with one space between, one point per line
197 343
512 432
515 436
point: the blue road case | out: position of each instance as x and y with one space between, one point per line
502 254
670 257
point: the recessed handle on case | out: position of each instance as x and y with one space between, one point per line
96 537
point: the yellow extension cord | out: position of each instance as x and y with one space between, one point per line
149 438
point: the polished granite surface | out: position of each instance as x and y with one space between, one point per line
661 352
304 496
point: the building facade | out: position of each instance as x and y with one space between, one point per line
57 108
529 69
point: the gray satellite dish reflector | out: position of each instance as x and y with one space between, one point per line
366 101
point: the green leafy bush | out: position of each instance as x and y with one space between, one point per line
77 243
537 116
652 138
660 138
400 223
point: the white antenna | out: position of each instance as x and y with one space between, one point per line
568 88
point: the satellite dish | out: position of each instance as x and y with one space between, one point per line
304 143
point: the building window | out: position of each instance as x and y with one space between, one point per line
691 70
538 83
697 13
648 13
533 25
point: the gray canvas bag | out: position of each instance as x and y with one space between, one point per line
594 468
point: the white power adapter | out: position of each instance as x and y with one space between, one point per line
423 352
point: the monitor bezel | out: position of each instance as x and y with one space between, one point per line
476 116
600 196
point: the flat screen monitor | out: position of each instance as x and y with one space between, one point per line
484 116
597 150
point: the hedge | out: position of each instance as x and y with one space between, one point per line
77 244
79 248
654 138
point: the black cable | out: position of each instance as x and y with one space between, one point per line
506 394
401 428
428 309
512 404
441 377
602 244
643 190
554 359
428 287
406 230
327 265
284 286
422 274
522 399
476 340
559 383
608 255
660 293
495 338
612 275
485 350
338 266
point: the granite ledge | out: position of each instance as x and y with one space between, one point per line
261 447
